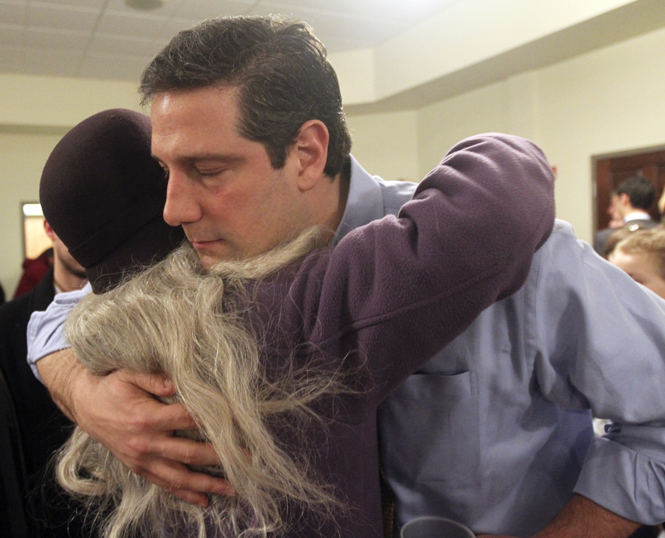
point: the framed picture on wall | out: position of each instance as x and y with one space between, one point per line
35 240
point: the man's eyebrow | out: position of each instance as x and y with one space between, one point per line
190 159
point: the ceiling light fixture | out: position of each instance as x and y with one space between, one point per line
144 4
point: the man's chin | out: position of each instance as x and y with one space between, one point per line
209 258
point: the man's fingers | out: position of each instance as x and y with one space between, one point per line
140 433
191 497
171 417
187 451
186 484
157 384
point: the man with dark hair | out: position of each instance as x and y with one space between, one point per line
268 82
495 430
630 202
279 70
635 195
42 427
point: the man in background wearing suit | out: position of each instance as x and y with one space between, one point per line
630 203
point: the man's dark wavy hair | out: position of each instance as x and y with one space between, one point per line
280 69
640 190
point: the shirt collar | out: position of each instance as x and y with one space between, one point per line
637 215
364 202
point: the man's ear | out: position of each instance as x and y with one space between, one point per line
49 231
312 152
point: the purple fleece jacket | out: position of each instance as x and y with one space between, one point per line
404 287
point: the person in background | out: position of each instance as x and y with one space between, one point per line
629 208
661 207
642 255
42 426
601 237
68 274
34 271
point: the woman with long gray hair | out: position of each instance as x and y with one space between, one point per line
283 359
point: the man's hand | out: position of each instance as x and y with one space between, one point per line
120 411
583 518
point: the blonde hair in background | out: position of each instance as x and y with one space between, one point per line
175 318
651 243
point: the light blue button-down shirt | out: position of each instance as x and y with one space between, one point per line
495 431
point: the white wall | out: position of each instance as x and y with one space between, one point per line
35 111
40 101
443 124
386 144
608 101
460 35
22 156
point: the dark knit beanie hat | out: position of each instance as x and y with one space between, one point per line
103 195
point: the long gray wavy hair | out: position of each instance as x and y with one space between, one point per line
190 324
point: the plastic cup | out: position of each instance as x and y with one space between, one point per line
435 527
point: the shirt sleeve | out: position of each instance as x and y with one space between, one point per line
600 338
406 287
46 329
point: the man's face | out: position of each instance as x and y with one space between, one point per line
222 188
61 252
68 262
620 204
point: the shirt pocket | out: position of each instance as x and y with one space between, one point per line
430 431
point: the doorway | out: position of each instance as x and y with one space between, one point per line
611 170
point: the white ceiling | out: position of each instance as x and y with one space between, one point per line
109 40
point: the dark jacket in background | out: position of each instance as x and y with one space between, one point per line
42 426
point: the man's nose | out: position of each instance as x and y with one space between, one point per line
181 206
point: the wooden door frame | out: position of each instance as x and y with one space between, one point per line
601 196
